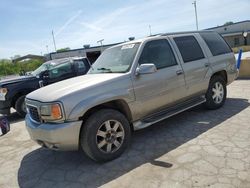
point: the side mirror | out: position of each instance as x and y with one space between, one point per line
45 75
146 69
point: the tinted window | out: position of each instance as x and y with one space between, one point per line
216 43
80 67
61 70
189 48
158 52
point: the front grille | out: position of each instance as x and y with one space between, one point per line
34 113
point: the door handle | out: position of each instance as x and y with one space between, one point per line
207 64
179 72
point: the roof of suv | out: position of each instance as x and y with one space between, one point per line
162 34
63 60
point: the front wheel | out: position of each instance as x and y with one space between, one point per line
20 106
216 93
105 135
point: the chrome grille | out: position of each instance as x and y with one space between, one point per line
34 113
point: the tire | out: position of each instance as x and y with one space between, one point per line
216 93
20 106
102 129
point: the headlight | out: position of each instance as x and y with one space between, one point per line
51 112
3 92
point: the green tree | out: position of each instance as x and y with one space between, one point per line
228 23
63 49
9 68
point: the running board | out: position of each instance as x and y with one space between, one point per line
166 113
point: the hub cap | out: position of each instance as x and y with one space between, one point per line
218 93
110 136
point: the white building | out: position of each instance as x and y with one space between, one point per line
236 34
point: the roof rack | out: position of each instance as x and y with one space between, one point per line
184 32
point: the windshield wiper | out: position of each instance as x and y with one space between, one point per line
104 69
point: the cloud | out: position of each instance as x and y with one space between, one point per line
91 26
117 22
68 22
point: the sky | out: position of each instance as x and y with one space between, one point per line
26 26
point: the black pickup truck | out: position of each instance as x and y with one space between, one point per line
13 91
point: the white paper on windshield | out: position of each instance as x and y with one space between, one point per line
127 46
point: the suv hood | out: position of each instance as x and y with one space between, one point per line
16 80
55 92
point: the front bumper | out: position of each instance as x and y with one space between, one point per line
5 107
59 136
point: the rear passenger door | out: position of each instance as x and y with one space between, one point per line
194 62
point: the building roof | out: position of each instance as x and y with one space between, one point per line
29 56
107 45
228 25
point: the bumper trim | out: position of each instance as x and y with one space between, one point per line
56 136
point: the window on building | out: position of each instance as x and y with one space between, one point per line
216 43
158 52
189 48
236 41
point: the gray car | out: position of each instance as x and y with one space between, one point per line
131 86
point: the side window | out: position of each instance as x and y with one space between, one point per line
80 67
216 43
158 52
61 70
189 48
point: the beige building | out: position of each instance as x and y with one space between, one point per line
92 53
236 34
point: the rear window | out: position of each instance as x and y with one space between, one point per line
216 43
189 48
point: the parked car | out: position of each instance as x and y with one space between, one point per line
131 86
14 90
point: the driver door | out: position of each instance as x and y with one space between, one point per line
165 86
60 72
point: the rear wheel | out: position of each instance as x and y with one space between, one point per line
216 93
105 135
20 106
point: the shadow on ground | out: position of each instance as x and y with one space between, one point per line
14 118
73 169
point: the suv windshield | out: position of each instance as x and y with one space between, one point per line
115 60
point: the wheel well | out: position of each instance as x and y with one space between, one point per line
119 105
16 96
222 73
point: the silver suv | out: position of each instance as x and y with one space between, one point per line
131 86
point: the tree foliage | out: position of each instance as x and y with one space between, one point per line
9 68
63 49
228 23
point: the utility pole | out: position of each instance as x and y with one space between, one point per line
54 40
47 47
196 17
150 33
100 41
